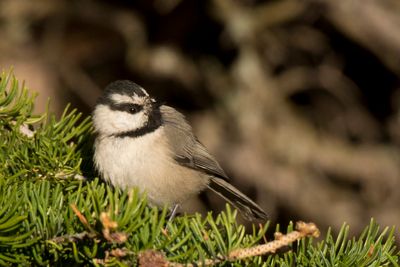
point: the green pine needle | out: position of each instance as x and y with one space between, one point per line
47 217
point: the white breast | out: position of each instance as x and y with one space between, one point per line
146 162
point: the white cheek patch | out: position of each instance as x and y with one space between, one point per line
107 121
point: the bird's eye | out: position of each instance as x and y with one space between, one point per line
133 108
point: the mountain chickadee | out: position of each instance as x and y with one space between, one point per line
142 143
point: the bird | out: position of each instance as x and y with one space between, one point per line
141 142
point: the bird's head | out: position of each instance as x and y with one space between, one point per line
126 109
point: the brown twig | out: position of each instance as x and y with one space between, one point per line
73 238
80 216
150 258
302 230
109 232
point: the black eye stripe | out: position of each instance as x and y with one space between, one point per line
127 107
154 121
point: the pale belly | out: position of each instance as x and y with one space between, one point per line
147 164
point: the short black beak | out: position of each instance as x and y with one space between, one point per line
156 104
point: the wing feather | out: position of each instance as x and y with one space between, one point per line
187 149
189 152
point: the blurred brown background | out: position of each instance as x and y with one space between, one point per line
299 100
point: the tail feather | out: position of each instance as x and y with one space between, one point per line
245 205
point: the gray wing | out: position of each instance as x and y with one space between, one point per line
188 151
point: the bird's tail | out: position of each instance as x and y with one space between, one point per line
245 205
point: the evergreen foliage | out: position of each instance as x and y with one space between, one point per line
49 217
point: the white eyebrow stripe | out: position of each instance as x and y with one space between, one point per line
144 91
118 98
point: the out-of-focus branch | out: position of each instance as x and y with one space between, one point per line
287 156
376 26
295 141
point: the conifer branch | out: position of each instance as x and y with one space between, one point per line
155 258
48 217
